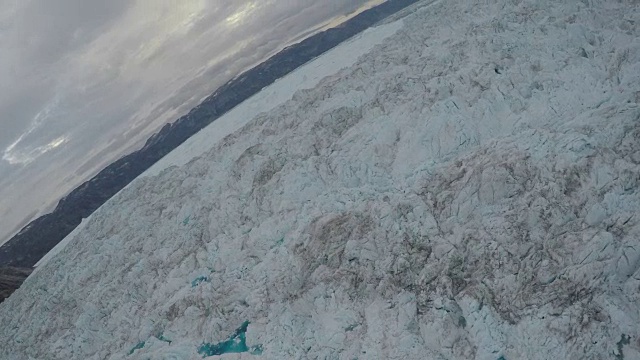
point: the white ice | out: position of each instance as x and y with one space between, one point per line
467 189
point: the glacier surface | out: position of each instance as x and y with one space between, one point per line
467 189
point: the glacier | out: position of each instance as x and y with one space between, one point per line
465 189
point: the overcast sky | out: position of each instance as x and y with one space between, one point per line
83 82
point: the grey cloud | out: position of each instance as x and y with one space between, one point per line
50 29
39 35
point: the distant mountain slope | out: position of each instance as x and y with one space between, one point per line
10 279
42 234
467 190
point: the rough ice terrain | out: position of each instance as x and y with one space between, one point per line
468 189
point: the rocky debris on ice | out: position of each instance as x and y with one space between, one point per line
466 190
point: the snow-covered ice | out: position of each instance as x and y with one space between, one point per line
305 77
467 189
